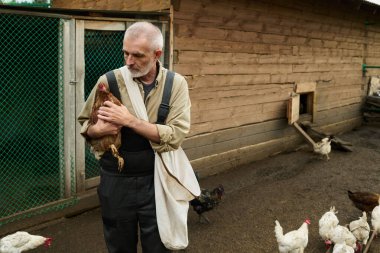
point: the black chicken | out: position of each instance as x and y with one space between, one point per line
207 201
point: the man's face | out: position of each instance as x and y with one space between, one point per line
139 57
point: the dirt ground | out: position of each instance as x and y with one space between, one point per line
289 187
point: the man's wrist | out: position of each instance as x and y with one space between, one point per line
133 123
92 131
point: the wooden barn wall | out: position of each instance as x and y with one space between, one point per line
115 5
242 59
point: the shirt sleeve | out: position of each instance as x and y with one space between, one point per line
177 124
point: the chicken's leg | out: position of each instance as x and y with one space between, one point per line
204 217
116 154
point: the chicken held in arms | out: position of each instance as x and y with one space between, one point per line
364 201
206 201
108 142
22 241
293 241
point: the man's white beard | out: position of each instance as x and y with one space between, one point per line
142 72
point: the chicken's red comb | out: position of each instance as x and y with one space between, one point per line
308 221
47 242
102 87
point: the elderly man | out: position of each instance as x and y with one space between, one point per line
127 198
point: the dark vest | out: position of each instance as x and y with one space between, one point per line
137 153
136 150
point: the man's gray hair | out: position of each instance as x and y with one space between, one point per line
147 30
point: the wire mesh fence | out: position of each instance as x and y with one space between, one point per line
102 50
31 109
37 173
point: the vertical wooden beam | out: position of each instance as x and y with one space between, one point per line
293 108
80 160
69 103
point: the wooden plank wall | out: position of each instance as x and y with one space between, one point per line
243 58
115 5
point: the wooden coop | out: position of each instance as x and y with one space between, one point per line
243 60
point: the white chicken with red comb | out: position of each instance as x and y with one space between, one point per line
326 223
22 241
293 241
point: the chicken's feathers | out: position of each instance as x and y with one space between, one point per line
323 147
375 219
293 240
207 200
360 228
341 234
327 222
342 248
364 201
22 241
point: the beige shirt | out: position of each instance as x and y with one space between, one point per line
178 121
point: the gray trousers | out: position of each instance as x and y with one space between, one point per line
128 203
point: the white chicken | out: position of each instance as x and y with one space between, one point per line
323 147
375 219
22 241
341 234
326 223
360 229
343 248
294 241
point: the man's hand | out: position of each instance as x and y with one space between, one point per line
102 128
120 116
116 114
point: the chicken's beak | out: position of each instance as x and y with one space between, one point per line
48 242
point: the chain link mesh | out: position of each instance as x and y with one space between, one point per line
31 109
32 161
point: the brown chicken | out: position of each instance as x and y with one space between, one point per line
364 201
108 142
